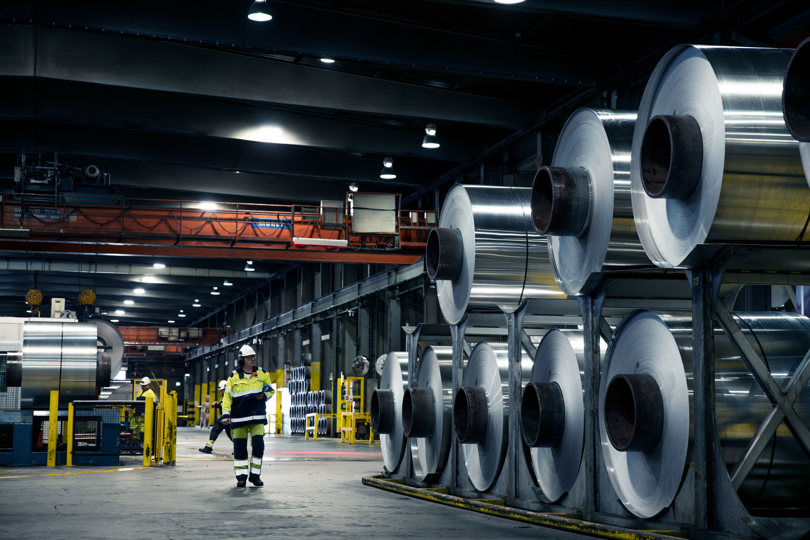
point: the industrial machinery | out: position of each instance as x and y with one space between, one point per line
39 355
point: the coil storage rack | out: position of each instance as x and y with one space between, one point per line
621 383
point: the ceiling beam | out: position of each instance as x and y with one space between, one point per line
70 55
82 104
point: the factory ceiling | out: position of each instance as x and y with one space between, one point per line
191 101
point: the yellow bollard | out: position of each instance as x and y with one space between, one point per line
69 460
197 401
53 420
148 417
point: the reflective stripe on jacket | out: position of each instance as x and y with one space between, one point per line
240 400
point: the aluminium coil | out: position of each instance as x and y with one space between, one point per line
646 410
582 201
486 252
712 160
386 408
796 101
481 411
427 409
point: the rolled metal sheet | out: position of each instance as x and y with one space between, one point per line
661 346
711 146
394 379
58 356
435 375
502 260
559 360
647 482
113 342
597 143
488 370
796 101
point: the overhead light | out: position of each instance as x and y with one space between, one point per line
139 290
208 205
196 304
129 302
170 321
159 266
120 312
181 315
215 292
113 320
387 172
509 2
327 60
259 11
430 140
353 187
227 283
249 267
149 279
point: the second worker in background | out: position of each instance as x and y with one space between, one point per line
243 408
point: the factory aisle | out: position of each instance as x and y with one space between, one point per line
312 489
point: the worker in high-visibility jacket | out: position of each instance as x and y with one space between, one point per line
243 408
137 420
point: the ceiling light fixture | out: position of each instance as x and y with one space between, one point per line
129 302
259 11
196 304
139 290
181 315
353 187
249 267
387 172
159 266
170 321
430 140
509 2
113 320
214 291
227 283
120 312
327 60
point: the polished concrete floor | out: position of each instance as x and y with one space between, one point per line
312 489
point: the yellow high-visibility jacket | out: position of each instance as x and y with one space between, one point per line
245 396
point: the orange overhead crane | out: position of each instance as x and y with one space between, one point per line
236 230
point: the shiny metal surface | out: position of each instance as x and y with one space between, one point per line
647 482
598 143
488 369
796 101
435 375
751 185
779 482
560 359
504 260
112 342
394 378
58 356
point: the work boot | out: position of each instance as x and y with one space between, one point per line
255 480
206 450
241 480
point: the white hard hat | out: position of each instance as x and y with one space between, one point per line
222 385
247 350
145 381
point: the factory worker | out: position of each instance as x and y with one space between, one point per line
243 409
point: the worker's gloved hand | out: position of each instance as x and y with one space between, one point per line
267 388
226 419
261 397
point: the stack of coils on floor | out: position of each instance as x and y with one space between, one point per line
386 408
486 253
481 411
646 410
320 401
299 403
427 409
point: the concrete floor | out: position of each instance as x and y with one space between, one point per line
312 489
